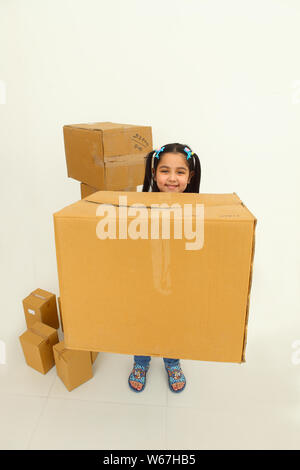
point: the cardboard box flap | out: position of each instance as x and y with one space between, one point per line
112 197
102 126
222 207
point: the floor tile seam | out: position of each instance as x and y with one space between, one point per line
37 423
167 405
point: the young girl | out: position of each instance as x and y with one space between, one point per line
173 168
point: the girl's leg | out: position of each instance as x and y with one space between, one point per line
171 362
137 378
176 377
142 360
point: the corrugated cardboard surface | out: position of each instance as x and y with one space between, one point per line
107 156
154 297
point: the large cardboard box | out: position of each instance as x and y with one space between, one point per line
37 344
159 295
40 305
106 155
73 367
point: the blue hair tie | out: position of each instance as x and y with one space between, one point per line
156 155
188 152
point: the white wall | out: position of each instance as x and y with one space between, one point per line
217 75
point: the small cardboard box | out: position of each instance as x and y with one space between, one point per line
37 344
127 291
87 190
73 367
40 305
106 155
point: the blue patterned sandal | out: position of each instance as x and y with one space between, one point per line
175 376
138 375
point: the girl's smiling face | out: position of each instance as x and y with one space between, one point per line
172 173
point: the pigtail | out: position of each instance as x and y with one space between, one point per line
148 172
194 185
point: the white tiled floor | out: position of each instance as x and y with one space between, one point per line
225 406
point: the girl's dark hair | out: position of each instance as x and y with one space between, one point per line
193 164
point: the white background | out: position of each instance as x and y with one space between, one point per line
220 76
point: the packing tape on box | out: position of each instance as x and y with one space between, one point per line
128 205
125 160
60 354
161 266
39 296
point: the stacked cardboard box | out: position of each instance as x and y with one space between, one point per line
106 155
40 342
102 156
37 343
40 305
